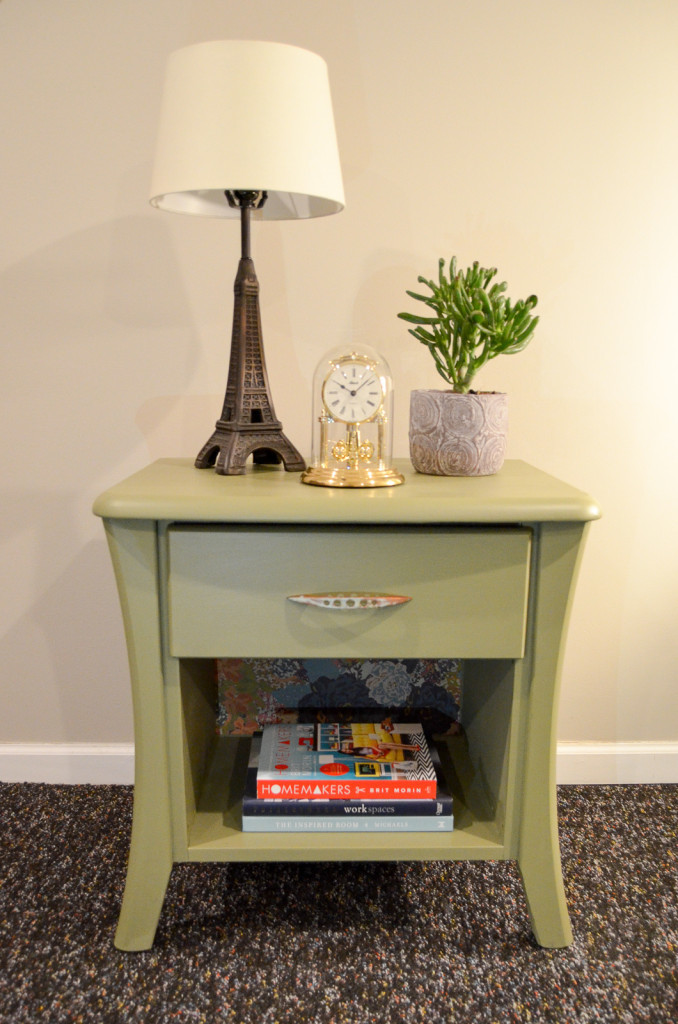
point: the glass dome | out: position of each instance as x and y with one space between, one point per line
352 421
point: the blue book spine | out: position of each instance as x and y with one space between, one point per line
332 823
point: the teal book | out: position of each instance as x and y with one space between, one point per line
333 823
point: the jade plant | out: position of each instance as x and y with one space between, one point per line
470 321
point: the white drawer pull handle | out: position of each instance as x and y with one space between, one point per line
343 601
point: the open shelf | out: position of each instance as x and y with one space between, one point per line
215 832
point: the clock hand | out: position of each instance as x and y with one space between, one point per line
351 393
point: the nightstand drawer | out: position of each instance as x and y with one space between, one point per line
229 590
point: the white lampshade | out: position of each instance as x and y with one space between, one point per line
242 115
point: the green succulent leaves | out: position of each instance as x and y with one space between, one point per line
472 321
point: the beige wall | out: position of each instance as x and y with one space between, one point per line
536 135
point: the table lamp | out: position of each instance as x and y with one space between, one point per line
247 131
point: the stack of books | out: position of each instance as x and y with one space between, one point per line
345 777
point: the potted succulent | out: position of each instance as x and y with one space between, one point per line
469 320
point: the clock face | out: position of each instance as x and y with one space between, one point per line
352 391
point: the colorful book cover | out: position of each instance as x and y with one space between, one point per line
345 761
252 805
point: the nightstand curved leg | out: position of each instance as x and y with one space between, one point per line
543 881
147 878
556 558
133 546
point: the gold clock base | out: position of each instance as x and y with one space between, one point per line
341 476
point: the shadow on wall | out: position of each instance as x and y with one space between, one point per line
65 674
88 323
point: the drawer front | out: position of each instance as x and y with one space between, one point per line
228 591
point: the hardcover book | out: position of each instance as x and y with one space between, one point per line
330 823
253 806
345 761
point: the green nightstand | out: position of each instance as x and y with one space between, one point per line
204 566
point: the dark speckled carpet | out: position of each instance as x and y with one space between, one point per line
337 944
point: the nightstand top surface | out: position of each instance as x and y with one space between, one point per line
174 490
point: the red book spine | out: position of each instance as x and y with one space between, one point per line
318 789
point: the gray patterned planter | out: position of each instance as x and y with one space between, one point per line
458 435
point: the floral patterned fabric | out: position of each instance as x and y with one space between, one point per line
254 692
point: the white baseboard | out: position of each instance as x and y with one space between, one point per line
592 764
631 763
71 763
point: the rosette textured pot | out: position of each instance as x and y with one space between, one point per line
455 434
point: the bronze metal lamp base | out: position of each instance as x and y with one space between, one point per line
248 424
230 446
